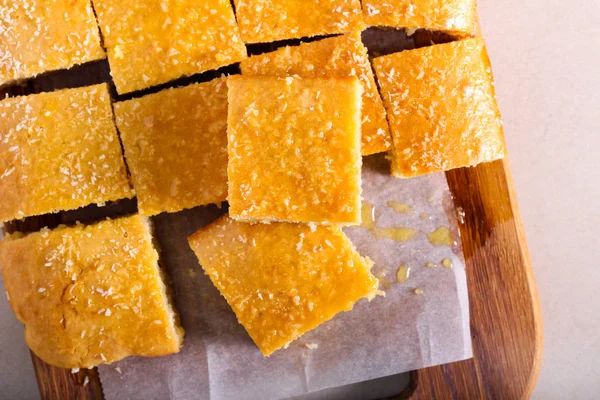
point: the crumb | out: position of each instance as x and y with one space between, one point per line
447 263
378 292
403 273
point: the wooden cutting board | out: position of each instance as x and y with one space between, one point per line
506 324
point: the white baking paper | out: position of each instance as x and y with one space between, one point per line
400 332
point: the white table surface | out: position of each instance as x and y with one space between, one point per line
545 55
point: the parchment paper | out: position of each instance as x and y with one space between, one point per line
400 332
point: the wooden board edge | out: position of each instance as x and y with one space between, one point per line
471 379
528 268
61 383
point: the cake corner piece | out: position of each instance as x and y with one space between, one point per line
432 131
91 295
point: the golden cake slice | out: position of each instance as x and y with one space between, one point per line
263 21
90 295
338 56
42 36
294 149
442 108
175 145
59 151
282 280
150 42
455 17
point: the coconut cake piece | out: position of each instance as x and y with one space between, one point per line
294 149
175 145
338 56
264 21
442 109
150 42
282 280
455 17
90 295
59 151
37 37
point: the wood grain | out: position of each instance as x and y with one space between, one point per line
60 383
506 325
505 314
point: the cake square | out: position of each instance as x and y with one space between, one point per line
294 149
262 21
150 42
455 17
338 56
47 36
59 151
282 280
175 145
442 108
90 295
